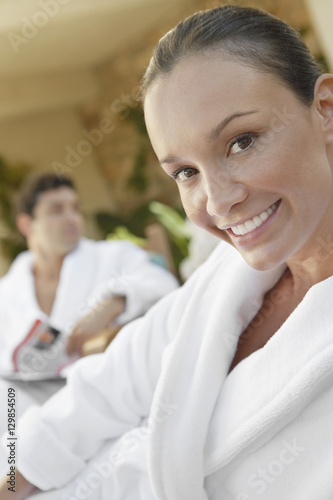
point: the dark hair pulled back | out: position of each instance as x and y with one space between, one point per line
247 35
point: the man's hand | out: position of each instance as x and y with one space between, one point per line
23 489
94 322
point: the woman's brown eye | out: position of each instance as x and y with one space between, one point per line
245 142
241 144
184 174
188 172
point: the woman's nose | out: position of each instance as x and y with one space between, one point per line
222 193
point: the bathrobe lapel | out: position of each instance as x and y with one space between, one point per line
275 383
77 282
195 368
210 426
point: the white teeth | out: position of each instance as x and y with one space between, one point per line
257 221
263 216
242 229
252 224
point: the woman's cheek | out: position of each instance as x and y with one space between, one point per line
194 198
197 216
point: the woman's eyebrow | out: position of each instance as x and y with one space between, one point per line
169 159
214 133
218 129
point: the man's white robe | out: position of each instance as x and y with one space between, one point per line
91 271
158 417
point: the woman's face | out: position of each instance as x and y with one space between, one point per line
249 159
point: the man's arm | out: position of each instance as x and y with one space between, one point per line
136 278
137 284
106 396
22 489
97 320
142 282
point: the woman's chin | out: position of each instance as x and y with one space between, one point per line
261 262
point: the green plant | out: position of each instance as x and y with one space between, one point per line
122 233
138 179
174 223
12 176
132 227
135 222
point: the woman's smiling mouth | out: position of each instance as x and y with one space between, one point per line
254 223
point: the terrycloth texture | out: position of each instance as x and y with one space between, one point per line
92 269
163 386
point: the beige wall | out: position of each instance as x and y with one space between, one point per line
60 106
3 262
41 140
321 12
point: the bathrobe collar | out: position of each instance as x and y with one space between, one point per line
214 425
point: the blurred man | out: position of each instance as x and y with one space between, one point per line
76 286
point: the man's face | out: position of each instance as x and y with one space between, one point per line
57 223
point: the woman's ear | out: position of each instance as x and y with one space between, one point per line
23 224
323 102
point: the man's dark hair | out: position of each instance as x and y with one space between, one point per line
35 186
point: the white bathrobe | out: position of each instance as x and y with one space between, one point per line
158 417
90 271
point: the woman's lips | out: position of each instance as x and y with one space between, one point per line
247 231
256 221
